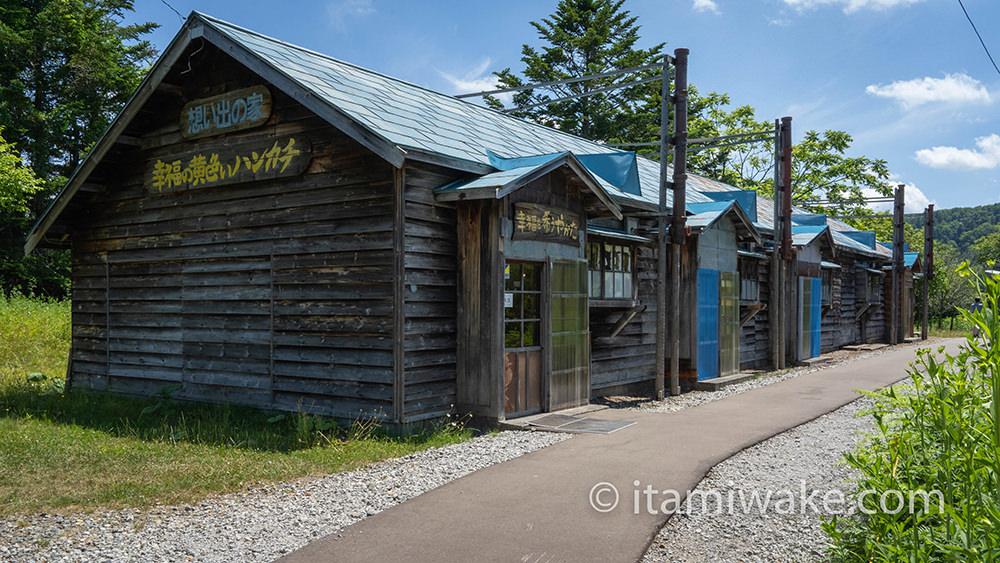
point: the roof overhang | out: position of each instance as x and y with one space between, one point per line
707 215
806 235
500 184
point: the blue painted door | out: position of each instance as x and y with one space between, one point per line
708 324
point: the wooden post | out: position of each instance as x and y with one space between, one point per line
774 290
786 278
678 227
398 298
928 263
895 317
661 237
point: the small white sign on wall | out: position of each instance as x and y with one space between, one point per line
508 300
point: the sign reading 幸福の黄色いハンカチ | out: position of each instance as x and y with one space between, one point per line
538 222
259 158
232 111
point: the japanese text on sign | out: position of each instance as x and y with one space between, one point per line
285 157
543 223
239 109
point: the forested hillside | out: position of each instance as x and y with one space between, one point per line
962 226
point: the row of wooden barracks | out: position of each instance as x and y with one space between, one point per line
265 225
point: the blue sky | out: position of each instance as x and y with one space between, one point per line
908 79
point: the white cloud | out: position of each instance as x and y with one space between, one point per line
914 200
985 156
955 88
706 6
476 80
340 10
849 6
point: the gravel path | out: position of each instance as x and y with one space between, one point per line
265 522
260 524
799 464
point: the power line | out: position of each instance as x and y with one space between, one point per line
564 81
979 36
167 4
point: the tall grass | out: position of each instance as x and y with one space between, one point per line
941 433
64 450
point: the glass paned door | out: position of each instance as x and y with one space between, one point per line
523 370
570 329
729 323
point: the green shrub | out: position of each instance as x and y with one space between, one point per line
940 433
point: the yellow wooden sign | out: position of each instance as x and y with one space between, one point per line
260 159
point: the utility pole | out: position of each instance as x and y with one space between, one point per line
678 227
774 291
661 238
786 252
928 263
896 329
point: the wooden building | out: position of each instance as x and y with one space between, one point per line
266 225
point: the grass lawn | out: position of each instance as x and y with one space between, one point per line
72 451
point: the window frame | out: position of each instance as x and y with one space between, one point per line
610 255
826 287
743 265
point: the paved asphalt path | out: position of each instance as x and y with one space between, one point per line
537 508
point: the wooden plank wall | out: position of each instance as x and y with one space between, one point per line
846 292
629 357
754 338
430 294
275 294
830 337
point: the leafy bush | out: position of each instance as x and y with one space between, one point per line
941 433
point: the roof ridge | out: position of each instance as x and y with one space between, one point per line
217 21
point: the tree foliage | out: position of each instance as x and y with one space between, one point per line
586 37
962 227
67 67
987 248
18 186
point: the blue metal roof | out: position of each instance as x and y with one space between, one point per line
802 236
707 213
910 258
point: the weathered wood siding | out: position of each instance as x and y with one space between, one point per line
430 294
274 293
831 321
846 293
629 357
754 334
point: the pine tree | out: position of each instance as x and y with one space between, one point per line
586 37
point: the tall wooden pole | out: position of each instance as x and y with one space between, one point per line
678 227
896 329
661 236
774 291
787 277
928 263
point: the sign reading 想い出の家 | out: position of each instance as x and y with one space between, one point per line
260 158
232 111
538 222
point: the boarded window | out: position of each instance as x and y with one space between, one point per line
874 288
827 290
749 282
